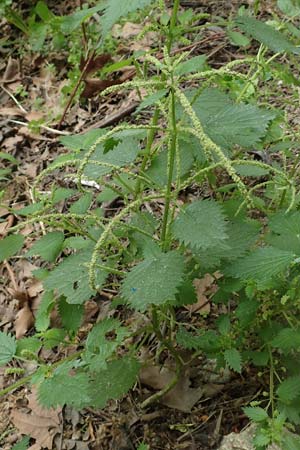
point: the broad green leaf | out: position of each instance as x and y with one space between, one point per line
201 225
82 205
287 339
248 170
233 359
71 315
228 123
195 64
42 319
48 247
208 341
53 337
82 141
238 39
151 100
114 10
8 157
76 242
8 348
10 245
114 381
246 312
30 344
285 232
289 7
291 441
70 278
256 413
63 388
73 21
261 265
266 34
154 281
289 389
102 342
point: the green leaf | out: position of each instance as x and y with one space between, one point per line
82 205
71 315
114 381
154 281
238 39
114 10
291 441
70 278
287 339
53 337
195 64
289 7
228 123
208 341
82 141
22 444
246 312
285 232
289 389
30 344
10 245
73 21
256 413
261 265
48 247
8 348
233 359
267 35
102 342
151 100
201 225
248 170
64 388
8 157
47 303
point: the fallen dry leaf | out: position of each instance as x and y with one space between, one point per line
204 287
181 397
41 424
24 321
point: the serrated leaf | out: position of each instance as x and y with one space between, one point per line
154 281
99 347
287 339
82 141
151 100
82 205
233 359
64 388
53 337
208 342
237 38
249 170
246 311
256 413
42 319
228 123
124 153
113 382
71 315
70 278
291 441
267 35
72 22
289 389
261 440
8 348
48 247
195 64
114 10
261 265
10 245
201 225
285 232
30 344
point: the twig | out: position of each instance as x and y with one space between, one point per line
76 87
51 130
14 99
11 275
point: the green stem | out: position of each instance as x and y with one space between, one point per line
171 164
172 25
150 139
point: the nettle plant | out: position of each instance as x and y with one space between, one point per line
244 225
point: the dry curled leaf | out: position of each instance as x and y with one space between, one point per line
24 321
41 424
